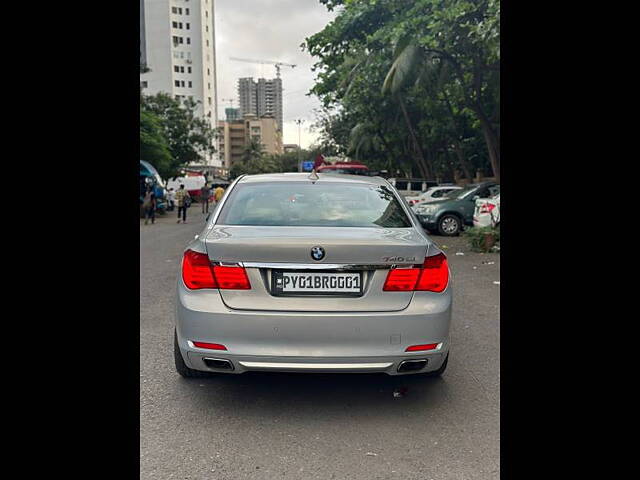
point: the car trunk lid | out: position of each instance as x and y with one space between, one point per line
371 251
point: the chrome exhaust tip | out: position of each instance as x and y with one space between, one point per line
412 365
218 363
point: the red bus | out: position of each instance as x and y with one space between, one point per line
349 168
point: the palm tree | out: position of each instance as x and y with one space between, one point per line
253 152
362 137
402 71
432 69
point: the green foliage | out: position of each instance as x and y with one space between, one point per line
188 138
403 68
255 160
153 144
414 82
334 129
482 239
288 162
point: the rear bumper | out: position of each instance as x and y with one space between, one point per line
482 221
311 341
242 364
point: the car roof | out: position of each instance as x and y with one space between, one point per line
481 184
306 177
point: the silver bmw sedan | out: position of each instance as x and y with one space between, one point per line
312 273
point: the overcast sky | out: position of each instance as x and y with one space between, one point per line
270 30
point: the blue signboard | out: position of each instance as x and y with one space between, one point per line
307 166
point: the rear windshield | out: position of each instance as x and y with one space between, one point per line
313 205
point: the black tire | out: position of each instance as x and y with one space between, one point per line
426 229
449 225
181 367
440 371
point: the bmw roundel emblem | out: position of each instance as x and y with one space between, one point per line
317 253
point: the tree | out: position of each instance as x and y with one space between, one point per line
334 129
189 138
464 35
415 82
287 162
253 161
153 144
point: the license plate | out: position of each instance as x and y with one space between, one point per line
316 283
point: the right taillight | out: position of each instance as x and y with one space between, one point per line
198 273
435 274
432 276
231 278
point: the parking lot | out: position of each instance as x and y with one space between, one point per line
294 426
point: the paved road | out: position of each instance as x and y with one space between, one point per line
285 426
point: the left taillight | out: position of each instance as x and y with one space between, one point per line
432 276
198 273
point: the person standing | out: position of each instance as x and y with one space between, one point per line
149 205
171 199
182 199
218 193
205 193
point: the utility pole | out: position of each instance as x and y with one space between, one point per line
299 122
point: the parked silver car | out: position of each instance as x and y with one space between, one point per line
312 273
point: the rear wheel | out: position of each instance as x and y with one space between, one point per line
449 225
181 367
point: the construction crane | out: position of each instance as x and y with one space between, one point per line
265 62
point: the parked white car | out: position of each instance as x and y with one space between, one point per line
431 195
487 212
192 183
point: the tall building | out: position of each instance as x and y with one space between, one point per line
177 44
232 142
143 46
264 131
262 98
235 135
232 114
248 94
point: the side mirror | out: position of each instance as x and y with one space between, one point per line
475 197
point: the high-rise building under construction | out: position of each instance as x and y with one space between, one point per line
262 98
